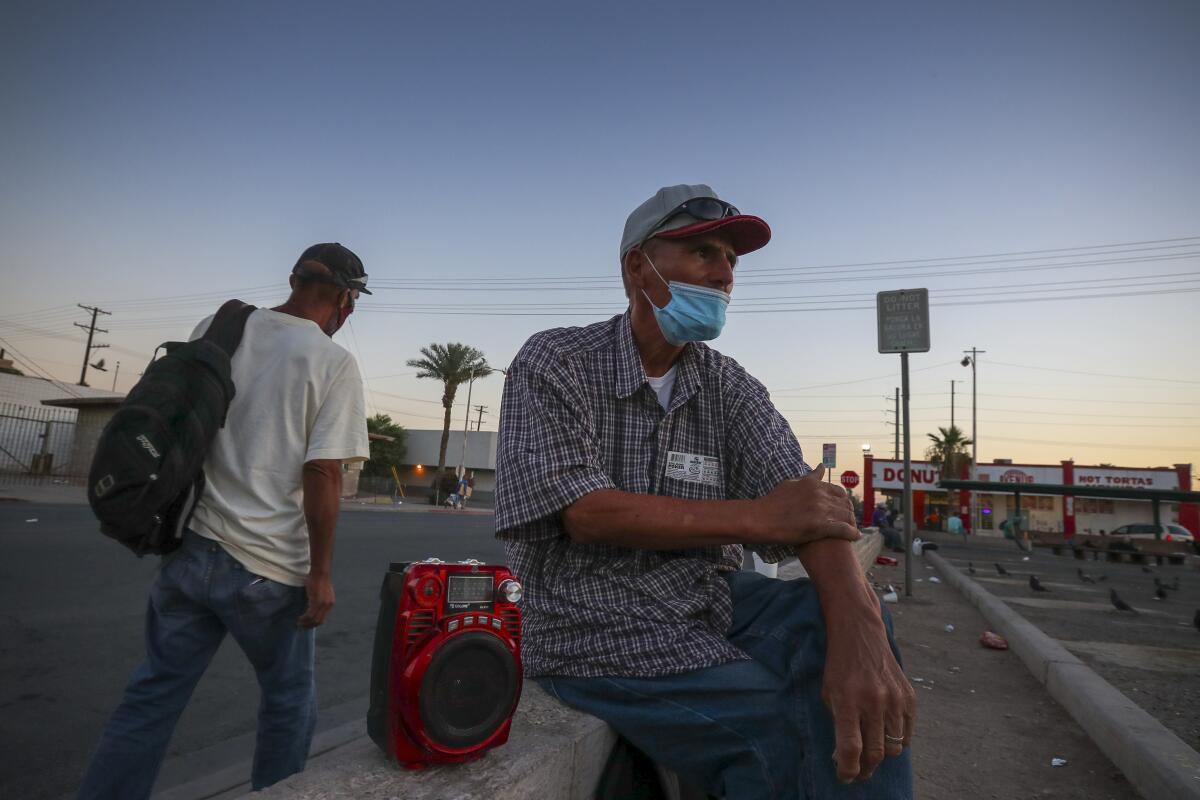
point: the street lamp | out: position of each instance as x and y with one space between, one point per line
971 361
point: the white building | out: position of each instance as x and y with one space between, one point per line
422 457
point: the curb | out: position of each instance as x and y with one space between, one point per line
1157 762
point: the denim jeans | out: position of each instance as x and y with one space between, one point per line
200 593
747 729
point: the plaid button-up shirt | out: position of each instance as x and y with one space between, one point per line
578 415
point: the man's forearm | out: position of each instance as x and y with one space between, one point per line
655 522
839 581
322 498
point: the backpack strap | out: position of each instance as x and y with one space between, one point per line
228 325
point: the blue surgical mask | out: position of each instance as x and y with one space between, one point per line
694 313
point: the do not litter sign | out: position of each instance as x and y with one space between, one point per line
903 321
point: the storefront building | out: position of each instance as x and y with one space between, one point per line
884 483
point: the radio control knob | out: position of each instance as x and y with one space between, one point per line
510 591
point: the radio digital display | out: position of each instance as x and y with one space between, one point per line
469 589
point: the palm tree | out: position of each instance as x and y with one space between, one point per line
949 451
452 364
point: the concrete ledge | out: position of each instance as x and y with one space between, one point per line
553 751
865 551
1157 762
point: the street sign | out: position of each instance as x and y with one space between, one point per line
829 455
849 479
903 321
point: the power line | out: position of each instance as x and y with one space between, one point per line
1090 444
30 365
887 376
599 314
1093 374
970 259
362 364
1157 279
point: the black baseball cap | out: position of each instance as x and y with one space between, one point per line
345 268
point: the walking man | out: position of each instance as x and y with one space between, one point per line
256 560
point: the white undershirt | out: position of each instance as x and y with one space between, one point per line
663 386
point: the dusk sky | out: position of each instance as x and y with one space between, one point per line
1034 164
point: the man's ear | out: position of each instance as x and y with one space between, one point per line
635 267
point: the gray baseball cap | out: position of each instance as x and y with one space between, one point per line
686 210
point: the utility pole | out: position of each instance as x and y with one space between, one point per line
115 374
481 410
973 360
897 456
896 423
462 463
91 329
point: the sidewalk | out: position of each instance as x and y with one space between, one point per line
70 494
47 493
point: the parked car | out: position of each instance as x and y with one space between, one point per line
1164 533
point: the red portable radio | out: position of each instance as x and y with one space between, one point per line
446 672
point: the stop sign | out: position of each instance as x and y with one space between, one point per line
849 479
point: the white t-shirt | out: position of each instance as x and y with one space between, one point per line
663 386
299 398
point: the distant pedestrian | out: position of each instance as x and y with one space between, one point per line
955 526
462 491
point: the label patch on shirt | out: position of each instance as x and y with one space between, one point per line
693 468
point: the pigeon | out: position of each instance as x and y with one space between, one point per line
1083 576
1147 569
1101 577
1036 585
1160 594
1001 570
1118 603
970 568
1174 587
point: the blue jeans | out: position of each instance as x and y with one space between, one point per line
200 593
747 729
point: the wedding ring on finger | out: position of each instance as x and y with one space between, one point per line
894 739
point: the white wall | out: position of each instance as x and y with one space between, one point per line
423 448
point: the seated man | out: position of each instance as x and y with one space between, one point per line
882 519
633 464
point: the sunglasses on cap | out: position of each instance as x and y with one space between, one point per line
703 209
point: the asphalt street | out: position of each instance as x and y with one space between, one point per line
1152 654
71 612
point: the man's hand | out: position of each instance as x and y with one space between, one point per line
868 695
319 589
800 511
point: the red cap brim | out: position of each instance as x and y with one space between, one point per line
747 233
